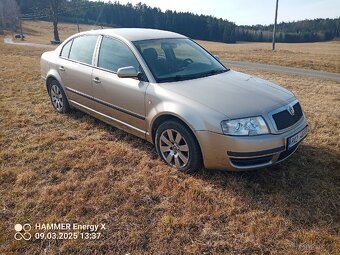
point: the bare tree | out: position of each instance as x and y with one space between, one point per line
55 8
1 17
9 13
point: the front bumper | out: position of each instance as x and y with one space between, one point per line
245 152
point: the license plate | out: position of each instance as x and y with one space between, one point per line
295 139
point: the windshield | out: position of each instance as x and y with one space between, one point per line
177 59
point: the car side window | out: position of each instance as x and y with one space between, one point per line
82 48
114 54
66 49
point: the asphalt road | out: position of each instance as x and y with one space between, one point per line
283 69
231 63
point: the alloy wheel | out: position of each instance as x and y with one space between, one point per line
57 98
174 148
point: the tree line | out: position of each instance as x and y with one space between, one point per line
195 26
139 15
315 30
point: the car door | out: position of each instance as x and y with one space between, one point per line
122 99
75 69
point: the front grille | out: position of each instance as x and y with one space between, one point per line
250 161
284 119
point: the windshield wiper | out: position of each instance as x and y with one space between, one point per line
213 72
187 77
192 76
179 78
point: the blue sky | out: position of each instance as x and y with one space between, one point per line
250 12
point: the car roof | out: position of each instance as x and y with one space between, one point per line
136 34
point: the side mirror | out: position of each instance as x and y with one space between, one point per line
217 57
127 72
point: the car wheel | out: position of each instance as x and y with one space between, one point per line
178 147
58 97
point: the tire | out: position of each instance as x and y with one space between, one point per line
58 97
181 152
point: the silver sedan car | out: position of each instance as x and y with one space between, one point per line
163 87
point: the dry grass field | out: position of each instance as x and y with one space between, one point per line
42 31
323 56
73 168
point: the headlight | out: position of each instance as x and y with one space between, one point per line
246 126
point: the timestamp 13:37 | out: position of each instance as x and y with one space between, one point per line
67 235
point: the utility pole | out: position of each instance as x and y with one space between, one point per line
22 34
274 30
78 25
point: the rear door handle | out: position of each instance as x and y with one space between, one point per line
97 80
61 68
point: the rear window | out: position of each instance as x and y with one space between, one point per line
66 49
83 48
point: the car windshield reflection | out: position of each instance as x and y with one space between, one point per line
172 60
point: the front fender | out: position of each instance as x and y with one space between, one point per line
195 115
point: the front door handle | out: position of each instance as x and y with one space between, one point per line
61 68
97 80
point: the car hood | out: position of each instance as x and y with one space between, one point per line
233 94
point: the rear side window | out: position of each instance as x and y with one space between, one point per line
114 54
83 48
66 49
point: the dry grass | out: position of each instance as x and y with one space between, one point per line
323 56
73 168
42 31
